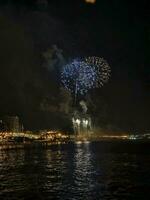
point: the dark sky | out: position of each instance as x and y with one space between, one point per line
117 30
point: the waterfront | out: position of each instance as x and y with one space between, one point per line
117 170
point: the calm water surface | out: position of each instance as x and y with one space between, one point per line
92 171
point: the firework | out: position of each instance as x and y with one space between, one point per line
101 68
81 75
78 77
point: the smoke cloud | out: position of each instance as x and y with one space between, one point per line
83 106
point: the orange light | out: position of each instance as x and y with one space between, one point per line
90 1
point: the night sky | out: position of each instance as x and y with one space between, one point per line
118 31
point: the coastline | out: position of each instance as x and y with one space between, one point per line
105 142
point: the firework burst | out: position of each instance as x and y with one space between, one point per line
81 75
78 77
101 68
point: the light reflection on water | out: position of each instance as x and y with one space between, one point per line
83 170
72 172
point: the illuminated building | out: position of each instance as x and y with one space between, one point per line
13 124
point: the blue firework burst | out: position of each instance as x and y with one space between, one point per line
81 75
78 77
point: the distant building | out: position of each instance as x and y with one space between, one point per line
13 124
2 126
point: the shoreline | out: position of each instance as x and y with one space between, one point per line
10 145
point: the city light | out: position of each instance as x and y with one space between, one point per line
43 135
